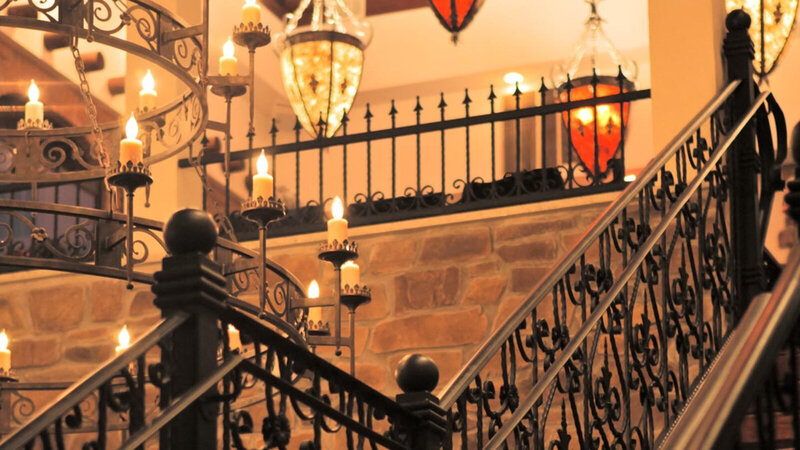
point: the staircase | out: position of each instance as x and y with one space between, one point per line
654 330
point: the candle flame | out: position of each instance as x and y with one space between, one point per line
124 337
250 2
148 82
232 329
131 128
228 49
3 341
33 92
313 289
337 209
262 165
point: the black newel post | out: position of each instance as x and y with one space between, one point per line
190 282
743 166
417 375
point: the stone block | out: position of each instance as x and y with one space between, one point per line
57 309
485 290
542 250
94 353
533 227
34 352
142 304
523 279
426 289
106 333
392 256
377 308
107 300
482 268
304 265
438 329
12 313
459 245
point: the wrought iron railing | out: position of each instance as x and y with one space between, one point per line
744 377
183 374
607 348
509 155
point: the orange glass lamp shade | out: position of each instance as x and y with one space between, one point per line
455 15
321 73
581 121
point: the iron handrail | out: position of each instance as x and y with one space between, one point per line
487 350
630 270
729 385
90 383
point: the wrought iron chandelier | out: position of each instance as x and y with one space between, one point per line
595 133
455 15
322 63
772 24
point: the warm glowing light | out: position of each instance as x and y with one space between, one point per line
585 115
228 49
250 2
455 21
124 338
321 77
775 28
33 92
337 208
3 341
131 128
313 289
148 82
262 166
513 78
630 178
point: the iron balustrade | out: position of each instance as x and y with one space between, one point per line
524 154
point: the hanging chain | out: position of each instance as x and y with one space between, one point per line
91 110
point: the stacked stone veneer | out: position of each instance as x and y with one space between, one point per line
437 289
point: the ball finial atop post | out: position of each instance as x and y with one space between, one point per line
737 20
190 231
416 373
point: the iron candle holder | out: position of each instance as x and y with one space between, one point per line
129 177
262 212
28 124
352 298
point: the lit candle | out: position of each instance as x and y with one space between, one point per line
314 314
147 96
251 12
228 62
234 338
130 148
262 181
124 340
34 109
5 354
337 226
351 274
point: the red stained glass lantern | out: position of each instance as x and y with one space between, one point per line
601 137
455 15
595 132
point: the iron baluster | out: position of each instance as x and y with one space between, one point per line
492 98
297 128
468 180
345 119
621 161
393 115
442 105
597 175
368 117
321 125
273 132
418 111
543 99
570 147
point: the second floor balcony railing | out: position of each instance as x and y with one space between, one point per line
490 148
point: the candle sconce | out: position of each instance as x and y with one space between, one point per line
337 253
34 124
263 212
129 177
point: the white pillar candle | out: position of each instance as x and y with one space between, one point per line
130 148
337 226
251 12
228 65
314 314
5 353
147 96
234 338
351 274
262 181
34 109
124 340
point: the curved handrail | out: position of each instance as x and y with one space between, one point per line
740 366
487 350
90 383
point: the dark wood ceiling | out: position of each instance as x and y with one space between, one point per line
374 7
